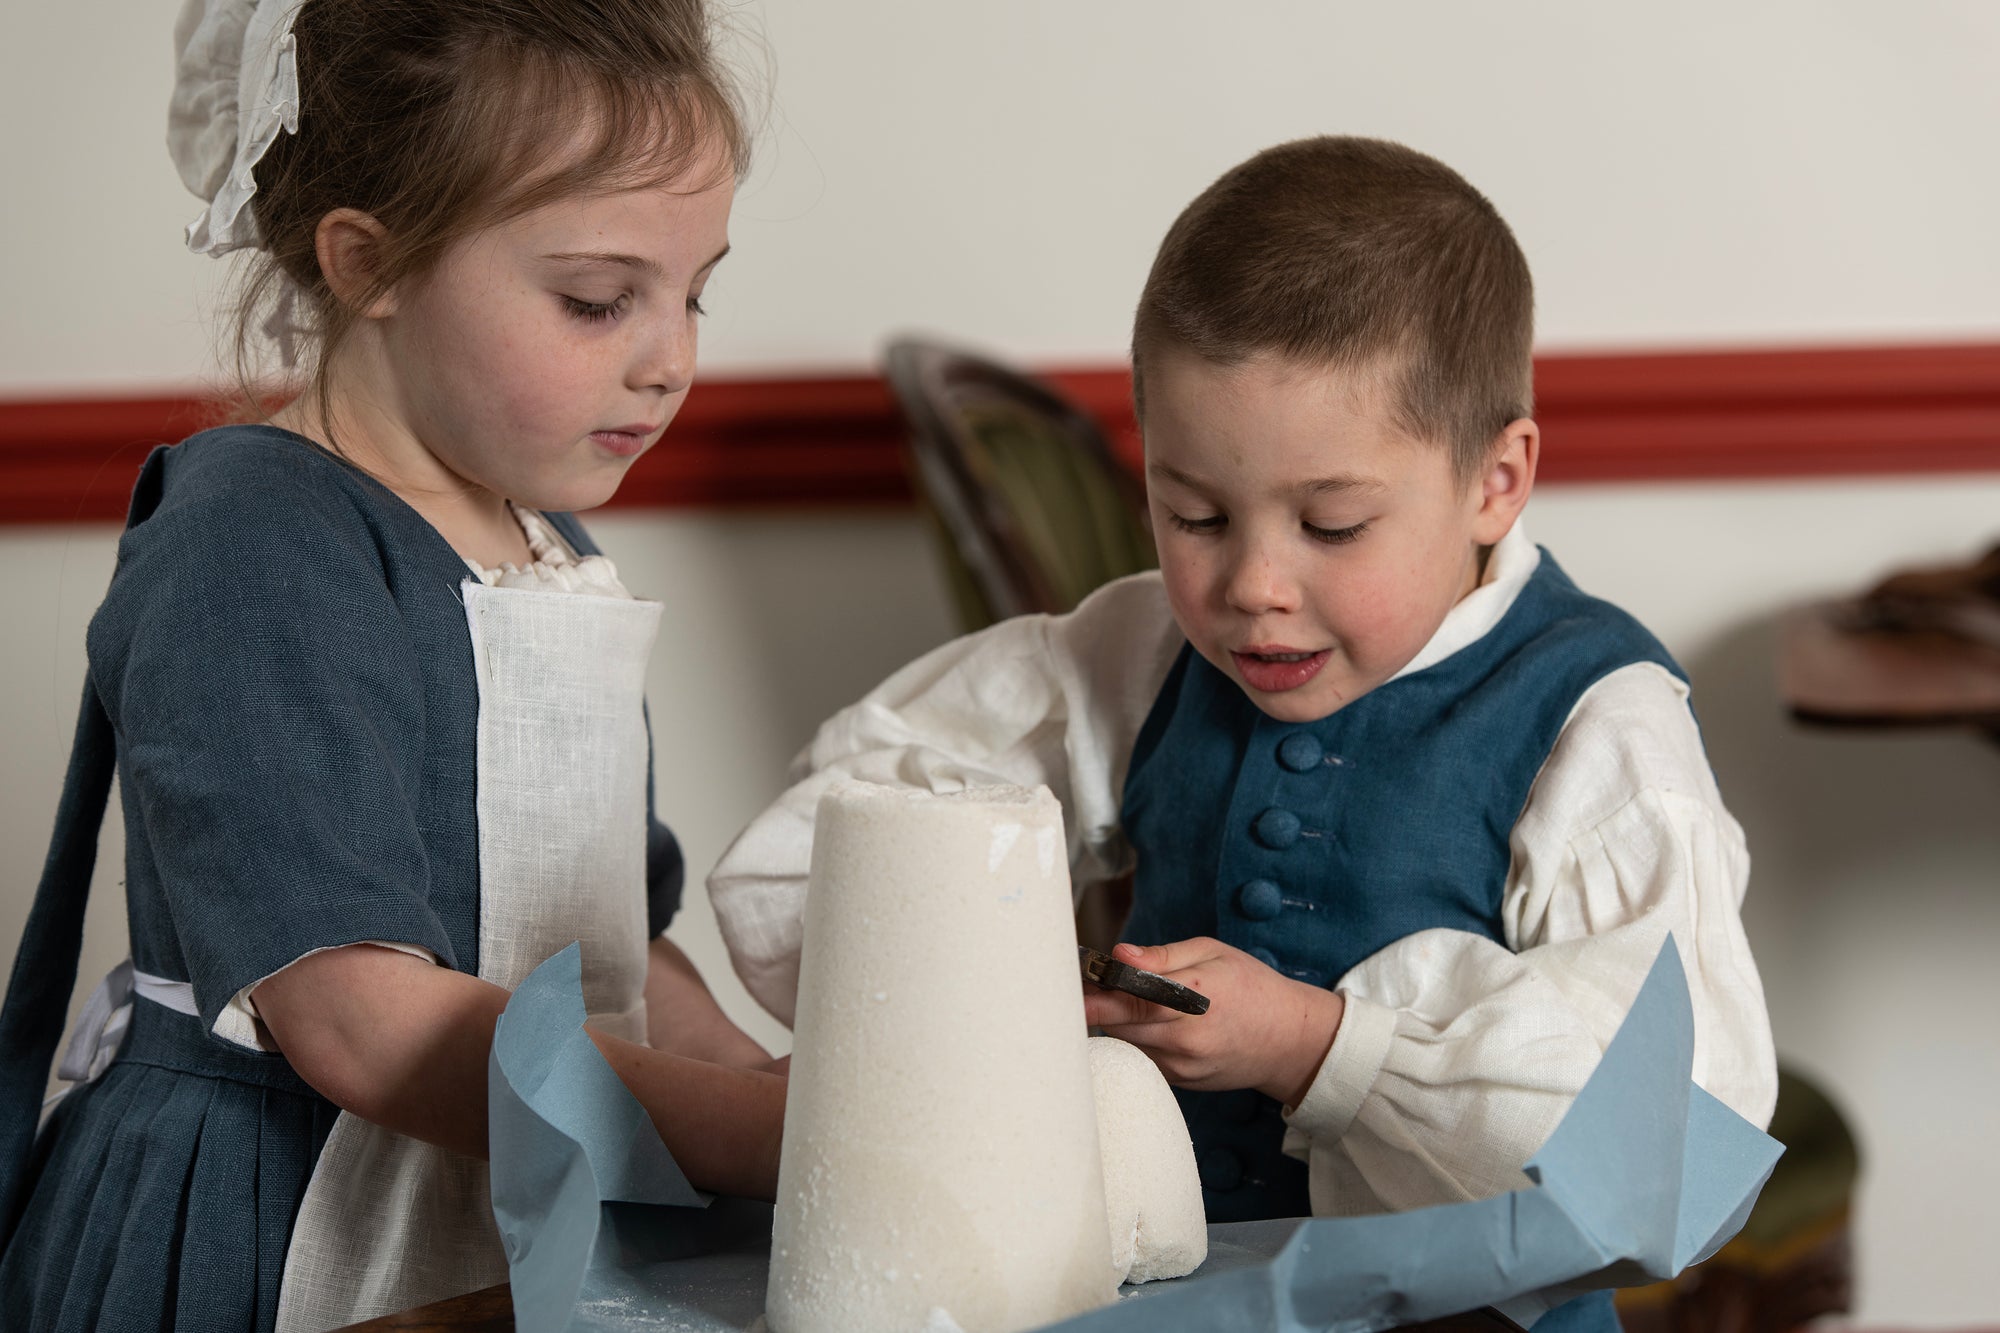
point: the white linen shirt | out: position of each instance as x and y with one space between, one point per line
1456 1056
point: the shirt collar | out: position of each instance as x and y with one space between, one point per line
1509 565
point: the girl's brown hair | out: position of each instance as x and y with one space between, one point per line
1363 256
439 118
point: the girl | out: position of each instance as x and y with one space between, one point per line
372 697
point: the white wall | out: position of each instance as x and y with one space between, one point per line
1710 173
1714 171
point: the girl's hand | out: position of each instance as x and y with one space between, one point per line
405 1043
1262 1030
682 1016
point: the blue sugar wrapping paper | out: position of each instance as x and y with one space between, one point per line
570 1150
1645 1175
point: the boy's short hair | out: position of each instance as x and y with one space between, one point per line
1354 253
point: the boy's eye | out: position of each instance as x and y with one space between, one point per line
1213 523
1334 536
695 307
593 311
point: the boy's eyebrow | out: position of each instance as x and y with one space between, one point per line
1336 485
1317 486
611 259
1174 474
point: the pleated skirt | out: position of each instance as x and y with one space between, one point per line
165 1192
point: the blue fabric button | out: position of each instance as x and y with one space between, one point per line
1220 1169
1276 829
1260 900
1301 752
1264 956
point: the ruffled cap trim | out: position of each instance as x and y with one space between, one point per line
236 88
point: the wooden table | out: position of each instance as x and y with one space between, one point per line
488 1311
492 1311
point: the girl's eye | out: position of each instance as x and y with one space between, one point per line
592 312
695 307
1334 536
1213 523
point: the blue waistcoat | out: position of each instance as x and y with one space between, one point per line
1313 845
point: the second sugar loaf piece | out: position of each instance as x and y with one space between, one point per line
940 1150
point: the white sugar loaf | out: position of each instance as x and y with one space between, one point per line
941 1149
1152 1190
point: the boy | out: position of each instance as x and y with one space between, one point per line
1415 812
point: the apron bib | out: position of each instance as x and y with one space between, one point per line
389 1222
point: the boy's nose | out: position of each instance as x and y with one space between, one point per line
1259 584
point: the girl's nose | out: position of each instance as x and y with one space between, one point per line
1258 583
664 358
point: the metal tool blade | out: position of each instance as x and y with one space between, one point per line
1106 971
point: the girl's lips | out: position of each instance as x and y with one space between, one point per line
1277 671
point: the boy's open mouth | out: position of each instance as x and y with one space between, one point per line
1277 671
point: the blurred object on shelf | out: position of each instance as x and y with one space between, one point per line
1919 649
1960 600
1031 509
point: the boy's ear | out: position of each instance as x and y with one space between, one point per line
1509 477
349 245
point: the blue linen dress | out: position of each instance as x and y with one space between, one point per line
281 673
1312 846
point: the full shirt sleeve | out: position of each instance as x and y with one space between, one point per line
1053 700
270 720
1456 1057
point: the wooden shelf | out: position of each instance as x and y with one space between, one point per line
1830 672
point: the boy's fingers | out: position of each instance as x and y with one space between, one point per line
1106 1008
1181 1069
1145 1036
1165 959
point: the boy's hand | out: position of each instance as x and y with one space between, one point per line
1263 1031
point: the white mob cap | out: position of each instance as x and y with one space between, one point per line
236 86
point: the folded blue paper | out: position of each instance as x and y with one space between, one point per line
1645 1175
566 1140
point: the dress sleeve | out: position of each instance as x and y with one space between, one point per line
269 711
1456 1057
1054 700
666 867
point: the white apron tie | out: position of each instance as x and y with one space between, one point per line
389 1222
100 1027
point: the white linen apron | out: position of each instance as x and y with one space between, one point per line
389 1222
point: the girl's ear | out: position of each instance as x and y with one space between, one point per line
349 245
1507 481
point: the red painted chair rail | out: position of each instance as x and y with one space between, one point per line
837 440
